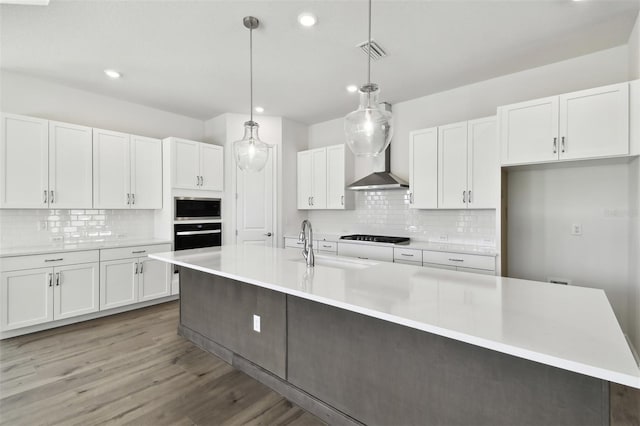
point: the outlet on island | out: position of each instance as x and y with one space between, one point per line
256 323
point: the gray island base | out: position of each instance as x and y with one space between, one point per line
348 368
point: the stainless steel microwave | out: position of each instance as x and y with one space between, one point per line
189 208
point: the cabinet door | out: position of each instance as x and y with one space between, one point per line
304 179
26 298
24 155
319 178
111 170
211 167
154 279
529 131
186 164
70 166
482 161
423 169
452 166
118 283
146 173
595 122
335 177
76 290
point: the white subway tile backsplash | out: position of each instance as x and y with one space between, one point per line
36 227
388 212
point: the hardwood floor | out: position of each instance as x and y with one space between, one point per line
133 368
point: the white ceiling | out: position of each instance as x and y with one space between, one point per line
191 57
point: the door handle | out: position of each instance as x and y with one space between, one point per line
268 234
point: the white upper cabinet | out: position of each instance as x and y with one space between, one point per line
70 166
483 168
24 154
127 171
322 177
211 167
452 166
196 165
111 170
595 123
338 171
423 169
146 173
590 123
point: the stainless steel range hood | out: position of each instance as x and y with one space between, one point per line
379 180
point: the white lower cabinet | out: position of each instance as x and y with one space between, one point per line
364 251
37 294
119 283
154 279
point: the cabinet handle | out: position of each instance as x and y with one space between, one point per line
51 199
141 267
138 251
456 260
411 198
309 201
201 180
555 145
135 271
54 260
342 200
326 246
313 201
128 198
469 196
50 279
464 197
57 279
133 198
563 144
45 196
365 258
406 254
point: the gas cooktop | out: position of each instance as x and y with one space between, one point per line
376 238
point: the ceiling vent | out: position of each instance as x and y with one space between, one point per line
377 52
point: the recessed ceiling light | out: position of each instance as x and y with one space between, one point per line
307 19
259 109
352 88
112 74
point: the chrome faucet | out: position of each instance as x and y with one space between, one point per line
307 251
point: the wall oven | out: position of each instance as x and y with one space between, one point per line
190 208
197 235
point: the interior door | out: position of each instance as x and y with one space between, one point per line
76 290
24 165
211 167
111 170
255 219
146 173
452 166
70 166
483 171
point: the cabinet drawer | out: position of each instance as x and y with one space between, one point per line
327 246
407 262
131 252
459 260
362 251
477 271
413 255
438 266
293 242
45 260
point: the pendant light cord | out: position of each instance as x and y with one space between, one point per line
369 48
251 70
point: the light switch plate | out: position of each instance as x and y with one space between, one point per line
256 323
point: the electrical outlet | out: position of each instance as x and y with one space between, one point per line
576 229
256 323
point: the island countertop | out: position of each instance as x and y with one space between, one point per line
573 328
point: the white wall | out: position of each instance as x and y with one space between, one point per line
294 139
21 94
543 205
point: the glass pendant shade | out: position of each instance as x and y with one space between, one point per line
250 152
368 129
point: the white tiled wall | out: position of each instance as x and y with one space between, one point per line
388 213
35 227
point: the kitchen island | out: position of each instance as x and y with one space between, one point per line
382 343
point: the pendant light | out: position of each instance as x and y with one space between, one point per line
368 129
250 152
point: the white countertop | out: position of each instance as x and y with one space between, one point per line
419 245
573 328
62 247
